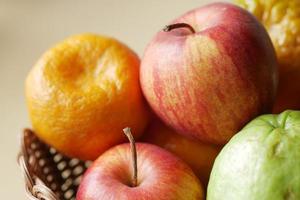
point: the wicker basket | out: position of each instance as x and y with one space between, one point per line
48 174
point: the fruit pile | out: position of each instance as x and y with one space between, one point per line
206 82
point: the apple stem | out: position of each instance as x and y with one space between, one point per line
134 156
179 25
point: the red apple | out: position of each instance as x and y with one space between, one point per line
288 96
210 72
198 155
153 174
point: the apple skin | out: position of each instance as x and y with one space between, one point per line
161 176
198 155
262 161
288 96
208 84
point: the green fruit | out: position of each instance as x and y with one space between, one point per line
261 162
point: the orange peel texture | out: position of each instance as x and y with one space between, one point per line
81 94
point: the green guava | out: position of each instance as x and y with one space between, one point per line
261 162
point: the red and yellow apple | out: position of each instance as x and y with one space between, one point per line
157 174
198 155
210 71
282 21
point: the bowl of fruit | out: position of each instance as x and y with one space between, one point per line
208 112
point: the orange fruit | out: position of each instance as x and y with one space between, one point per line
281 18
199 156
81 94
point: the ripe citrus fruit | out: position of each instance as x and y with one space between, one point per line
83 92
282 20
199 156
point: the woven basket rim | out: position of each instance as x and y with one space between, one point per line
35 188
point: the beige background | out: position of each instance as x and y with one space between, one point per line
29 27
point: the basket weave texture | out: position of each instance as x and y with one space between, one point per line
48 174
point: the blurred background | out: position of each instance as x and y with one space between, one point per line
30 27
